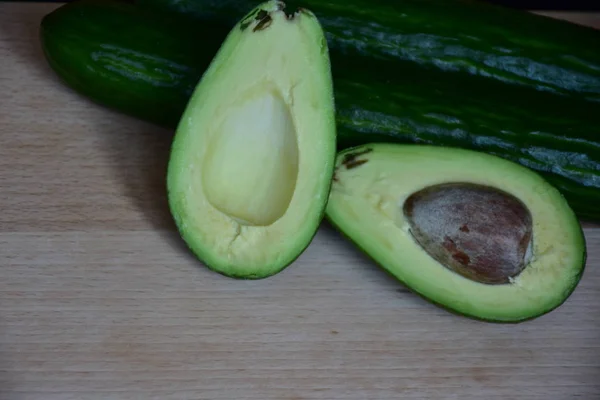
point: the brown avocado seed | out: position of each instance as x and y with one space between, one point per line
479 232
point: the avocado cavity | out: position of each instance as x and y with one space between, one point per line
251 166
480 232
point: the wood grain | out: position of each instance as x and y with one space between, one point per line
100 300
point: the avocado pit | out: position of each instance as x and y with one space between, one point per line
479 232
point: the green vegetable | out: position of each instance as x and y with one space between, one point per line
473 233
474 37
147 66
252 159
141 63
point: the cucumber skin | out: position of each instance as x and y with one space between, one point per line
500 43
113 53
146 66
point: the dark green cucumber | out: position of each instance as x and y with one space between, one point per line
553 135
452 35
141 63
376 100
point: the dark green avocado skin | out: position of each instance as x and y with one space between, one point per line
146 64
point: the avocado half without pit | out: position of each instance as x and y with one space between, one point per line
253 156
474 233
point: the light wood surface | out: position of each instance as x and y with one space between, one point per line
99 299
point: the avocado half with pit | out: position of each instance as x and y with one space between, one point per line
253 155
474 233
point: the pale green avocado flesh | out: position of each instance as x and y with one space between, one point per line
253 156
368 202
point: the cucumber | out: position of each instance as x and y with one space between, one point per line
140 62
500 43
146 66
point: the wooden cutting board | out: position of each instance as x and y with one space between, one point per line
99 299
